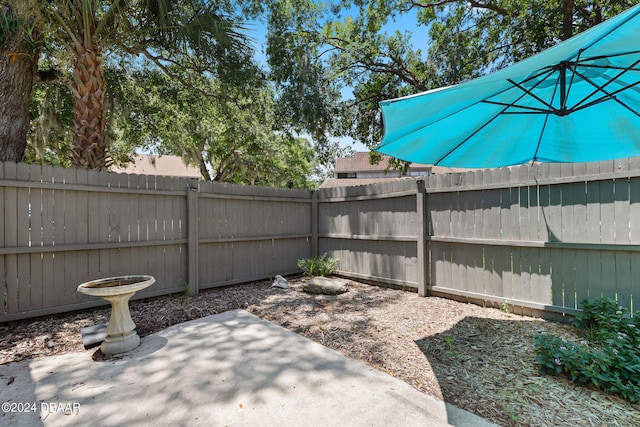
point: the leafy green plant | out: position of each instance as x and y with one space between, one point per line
505 307
603 319
608 358
322 265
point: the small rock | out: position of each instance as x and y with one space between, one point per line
325 285
280 282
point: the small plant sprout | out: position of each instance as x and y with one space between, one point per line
449 340
186 293
451 353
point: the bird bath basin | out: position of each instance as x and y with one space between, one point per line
121 334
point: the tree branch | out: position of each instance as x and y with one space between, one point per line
400 70
489 6
159 61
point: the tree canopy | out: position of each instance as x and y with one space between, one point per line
181 76
231 138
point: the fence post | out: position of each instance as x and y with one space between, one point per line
421 239
192 239
314 223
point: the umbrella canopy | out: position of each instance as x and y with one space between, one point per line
578 101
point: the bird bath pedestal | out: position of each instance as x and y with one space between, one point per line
121 334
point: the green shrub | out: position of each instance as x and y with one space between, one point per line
322 265
608 358
603 319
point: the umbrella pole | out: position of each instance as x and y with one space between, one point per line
563 89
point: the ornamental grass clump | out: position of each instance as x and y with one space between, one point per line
322 265
608 358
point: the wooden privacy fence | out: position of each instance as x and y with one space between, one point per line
62 227
540 237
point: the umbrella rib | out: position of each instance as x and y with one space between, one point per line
573 75
613 55
627 107
607 96
488 121
528 92
424 126
544 126
469 137
595 58
545 70
503 112
629 18
577 106
610 67
465 140
501 92
534 110
612 97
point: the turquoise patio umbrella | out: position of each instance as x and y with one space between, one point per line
578 101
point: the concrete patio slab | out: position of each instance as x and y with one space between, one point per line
231 369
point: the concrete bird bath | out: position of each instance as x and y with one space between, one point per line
121 334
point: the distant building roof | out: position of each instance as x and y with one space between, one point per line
340 182
360 163
357 170
151 164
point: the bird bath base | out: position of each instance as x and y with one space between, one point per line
121 334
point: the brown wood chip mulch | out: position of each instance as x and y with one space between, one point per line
479 359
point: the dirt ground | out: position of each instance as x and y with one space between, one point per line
479 359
